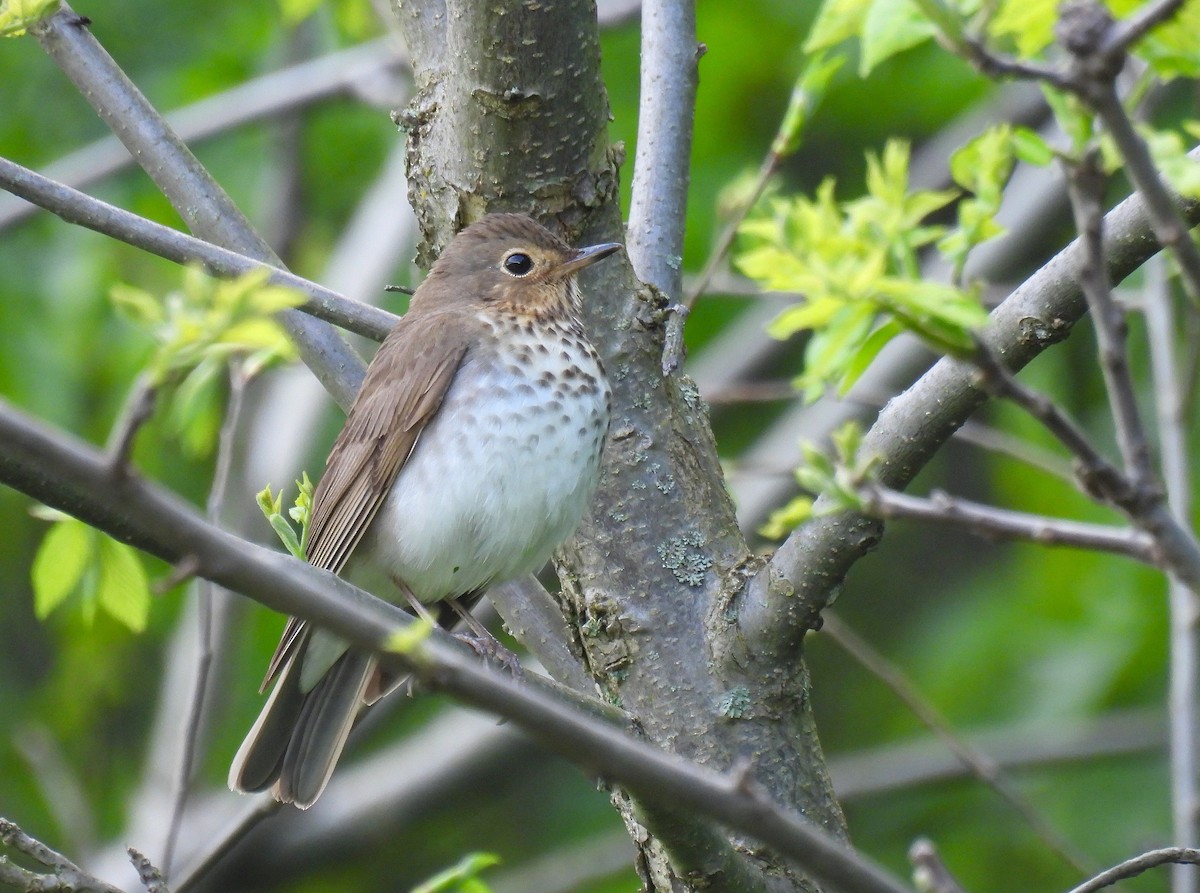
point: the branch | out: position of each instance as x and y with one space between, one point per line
148 872
66 877
929 872
991 522
66 474
198 199
783 601
1139 864
78 208
1099 477
1098 45
1184 674
267 96
658 204
1086 182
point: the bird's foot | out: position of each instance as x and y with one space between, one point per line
489 648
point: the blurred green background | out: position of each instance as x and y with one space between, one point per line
1016 641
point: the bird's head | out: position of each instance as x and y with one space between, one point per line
512 263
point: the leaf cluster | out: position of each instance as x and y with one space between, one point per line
198 330
105 575
856 265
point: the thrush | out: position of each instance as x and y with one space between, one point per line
469 454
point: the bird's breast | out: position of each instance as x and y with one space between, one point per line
503 473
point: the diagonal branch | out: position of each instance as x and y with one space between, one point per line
783 601
77 207
66 474
198 199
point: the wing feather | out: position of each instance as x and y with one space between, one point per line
418 362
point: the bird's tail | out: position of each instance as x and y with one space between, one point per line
297 739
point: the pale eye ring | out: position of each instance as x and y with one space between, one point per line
518 264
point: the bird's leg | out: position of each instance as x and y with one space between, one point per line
483 642
418 608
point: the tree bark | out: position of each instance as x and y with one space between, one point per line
511 114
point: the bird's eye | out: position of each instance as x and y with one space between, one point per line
518 264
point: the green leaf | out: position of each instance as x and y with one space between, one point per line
123 589
1028 23
892 26
1031 148
847 440
462 877
786 519
983 165
1073 117
194 413
58 567
866 353
837 20
18 16
1171 156
137 305
287 535
269 504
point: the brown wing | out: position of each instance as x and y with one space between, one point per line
418 361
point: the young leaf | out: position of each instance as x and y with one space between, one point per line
1030 24
460 878
123 589
837 20
892 26
17 16
1029 146
786 519
59 564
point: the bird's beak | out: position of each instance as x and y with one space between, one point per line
585 257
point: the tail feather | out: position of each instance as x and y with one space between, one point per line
295 743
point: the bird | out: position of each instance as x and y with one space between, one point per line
469 454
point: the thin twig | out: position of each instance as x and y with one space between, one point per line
1085 185
992 522
204 595
148 873
979 764
1098 55
136 411
1137 865
1161 208
1185 650
766 170
215 848
195 195
930 873
66 876
1134 28
79 208
1099 477
369 65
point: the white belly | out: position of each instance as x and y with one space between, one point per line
498 479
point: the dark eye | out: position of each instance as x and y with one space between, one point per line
518 264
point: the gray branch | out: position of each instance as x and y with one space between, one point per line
76 207
783 601
661 170
68 475
198 199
